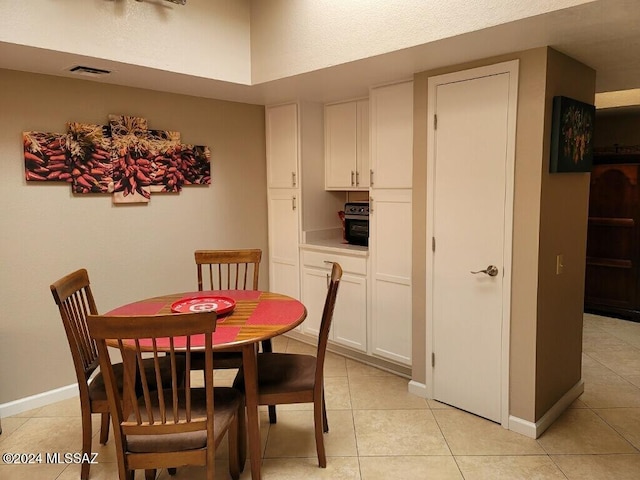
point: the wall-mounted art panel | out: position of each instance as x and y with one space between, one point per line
45 157
88 150
571 136
124 158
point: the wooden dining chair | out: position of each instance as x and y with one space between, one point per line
285 378
72 293
170 425
229 270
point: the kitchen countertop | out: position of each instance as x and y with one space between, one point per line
331 240
336 246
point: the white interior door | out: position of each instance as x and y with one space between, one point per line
472 175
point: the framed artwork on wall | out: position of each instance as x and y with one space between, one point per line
571 136
124 158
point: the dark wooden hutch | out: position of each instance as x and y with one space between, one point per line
612 283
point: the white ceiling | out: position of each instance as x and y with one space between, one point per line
604 35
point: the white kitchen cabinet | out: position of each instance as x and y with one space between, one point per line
349 325
294 135
390 221
390 250
282 138
284 228
283 198
392 136
346 145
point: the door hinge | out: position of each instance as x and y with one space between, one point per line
433 359
435 121
433 244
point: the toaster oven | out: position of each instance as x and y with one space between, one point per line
356 223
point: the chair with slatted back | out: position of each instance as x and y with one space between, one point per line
170 424
229 270
285 378
75 301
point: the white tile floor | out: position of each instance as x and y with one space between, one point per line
378 431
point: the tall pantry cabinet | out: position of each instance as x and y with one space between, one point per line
391 110
297 201
283 197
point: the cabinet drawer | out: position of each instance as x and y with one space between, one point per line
356 265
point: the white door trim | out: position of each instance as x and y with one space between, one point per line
510 67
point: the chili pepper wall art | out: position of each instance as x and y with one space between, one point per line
124 158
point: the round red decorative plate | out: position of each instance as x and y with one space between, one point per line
221 305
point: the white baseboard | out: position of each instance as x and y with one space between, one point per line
39 400
523 427
534 430
419 389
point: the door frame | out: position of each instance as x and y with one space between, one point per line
510 67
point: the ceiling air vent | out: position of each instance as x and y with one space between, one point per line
179 2
89 71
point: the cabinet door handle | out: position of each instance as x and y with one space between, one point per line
352 180
371 177
293 202
357 178
370 204
293 179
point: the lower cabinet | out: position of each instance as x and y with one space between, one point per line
284 221
390 247
349 326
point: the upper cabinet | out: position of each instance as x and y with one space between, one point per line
282 146
346 137
392 136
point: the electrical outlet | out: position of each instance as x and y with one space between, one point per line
559 264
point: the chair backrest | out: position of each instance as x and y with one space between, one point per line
73 296
327 317
168 408
228 269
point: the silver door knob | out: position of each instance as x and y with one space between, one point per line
491 270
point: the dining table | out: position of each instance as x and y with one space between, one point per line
254 316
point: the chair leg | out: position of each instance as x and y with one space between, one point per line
268 348
86 442
325 423
150 474
242 436
234 443
104 428
318 425
272 414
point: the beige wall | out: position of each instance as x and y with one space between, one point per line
563 230
526 221
206 38
131 252
531 154
289 37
